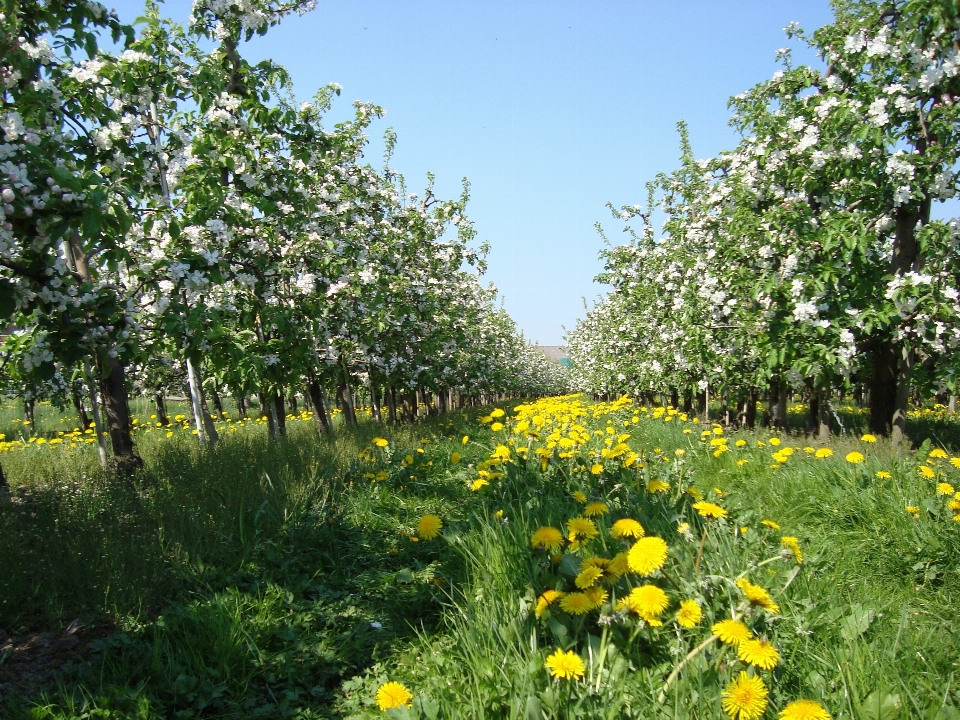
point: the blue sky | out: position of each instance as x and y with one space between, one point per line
551 108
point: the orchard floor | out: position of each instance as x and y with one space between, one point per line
291 580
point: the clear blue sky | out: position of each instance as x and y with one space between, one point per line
550 107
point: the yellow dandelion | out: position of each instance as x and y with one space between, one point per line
580 528
883 475
618 566
913 510
393 695
429 527
657 486
579 497
868 438
597 596
595 509
945 489
588 576
626 528
774 441
937 454
545 600
683 528
689 614
790 542
647 601
454 458
647 555
478 483
804 710
758 596
955 461
547 538
596 468
709 509
380 442
576 603
465 439
740 443
745 698
823 453
759 653
565 665
855 457
732 632
770 524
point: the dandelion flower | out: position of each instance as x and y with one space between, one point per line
855 457
647 555
657 486
597 596
647 601
758 596
579 497
478 483
883 475
595 509
588 576
868 438
955 461
618 566
429 527
547 538
454 458
759 653
709 509
565 665
544 601
393 695
465 440
770 524
626 528
596 468
945 489
937 454
581 528
740 443
731 632
576 603
823 453
381 442
804 710
790 542
913 510
745 698
689 613
683 528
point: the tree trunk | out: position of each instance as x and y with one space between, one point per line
952 405
217 403
95 409
241 406
270 413
883 387
4 488
392 404
161 406
113 387
314 396
750 410
898 432
81 410
278 409
674 398
28 413
812 396
375 400
823 415
193 385
292 402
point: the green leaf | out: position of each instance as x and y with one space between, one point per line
923 451
570 565
857 622
880 705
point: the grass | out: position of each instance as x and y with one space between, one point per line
277 580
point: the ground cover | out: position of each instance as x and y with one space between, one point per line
494 564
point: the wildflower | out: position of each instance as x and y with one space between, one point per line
579 497
855 457
647 555
945 489
868 438
913 510
626 528
565 665
823 453
955 461
883 475
740 443
774 441
809 450
758 596
576 603
689 613
393 695
596 468
770 524
804 710
647 601
731 632
454 458
683 528
937 454
380 442
745 698
581 528
709 509
496 412
496 427
596 509
618 566
793 546
657 486
759 653
465 440
547 538
544 601
588 576
478 483
597 596
429 526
